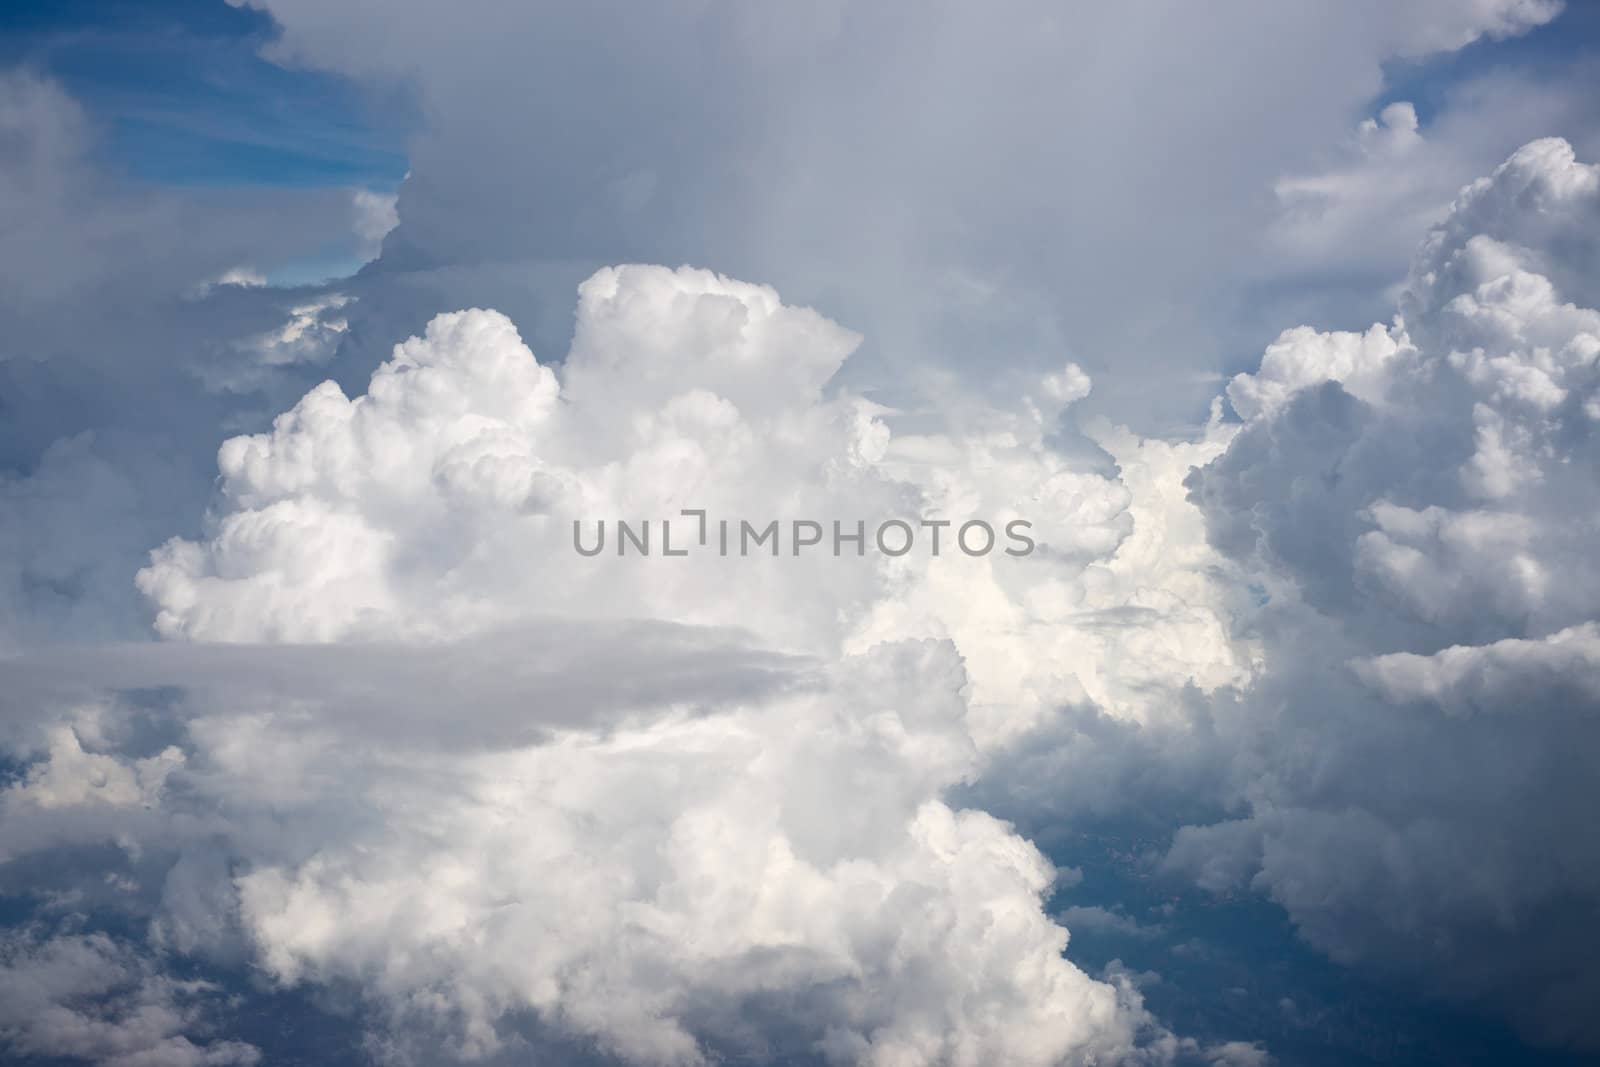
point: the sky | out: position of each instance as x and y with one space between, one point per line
1263 338
183 97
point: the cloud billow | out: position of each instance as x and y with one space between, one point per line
1420 501
401 751
634 874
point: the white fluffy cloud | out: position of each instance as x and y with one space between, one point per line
681 886
1394 493
647 884
442 762
649 887
442 502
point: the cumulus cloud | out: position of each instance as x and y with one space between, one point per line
1384 531
1419 500
1304 356
95 1000
443 500
1502 677
1348 222
69 776
403 740
633 832
648 887
662 887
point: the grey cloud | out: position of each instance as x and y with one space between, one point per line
95 1000
1416 762
510 686
1005 185
119 365
1513 675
